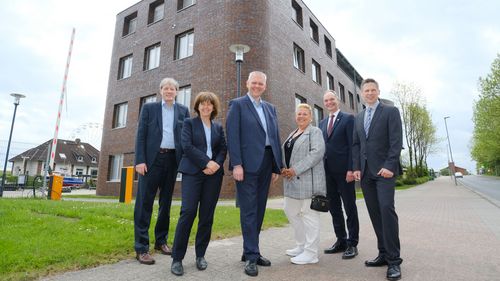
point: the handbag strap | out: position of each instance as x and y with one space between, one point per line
312 171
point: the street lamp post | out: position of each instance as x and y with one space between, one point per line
452 172
238 50
17 97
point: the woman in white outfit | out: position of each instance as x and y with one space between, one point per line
303 153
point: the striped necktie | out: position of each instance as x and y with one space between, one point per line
368 120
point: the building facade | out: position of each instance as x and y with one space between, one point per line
189 40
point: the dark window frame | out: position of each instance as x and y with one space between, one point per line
317 68
299 58
127 24
151 12
314 31
297 13
328 47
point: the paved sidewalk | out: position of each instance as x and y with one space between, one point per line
447 233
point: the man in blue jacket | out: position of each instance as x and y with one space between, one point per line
255 159
337 132
157 154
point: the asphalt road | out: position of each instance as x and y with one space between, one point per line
485 185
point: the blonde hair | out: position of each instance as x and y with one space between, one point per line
304 106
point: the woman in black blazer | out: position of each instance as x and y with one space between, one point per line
204 148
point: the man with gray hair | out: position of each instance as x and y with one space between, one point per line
157 154
253 144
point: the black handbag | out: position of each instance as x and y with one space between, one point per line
318 202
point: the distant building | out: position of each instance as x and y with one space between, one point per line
189 40
72 158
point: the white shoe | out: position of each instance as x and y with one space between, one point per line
304 258
295 251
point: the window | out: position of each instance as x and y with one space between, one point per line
125 67
115 167
351 100
120 115
298 58
342 93
156 11
329 82
318 114
62 156
299 99
79 172
316 72
152 57
357 98
94 160
184 45
93 173
184 96
297 13
328 46
130 24
314 31
79 158
181 4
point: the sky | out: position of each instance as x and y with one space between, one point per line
441 46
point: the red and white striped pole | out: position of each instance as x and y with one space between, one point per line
51 156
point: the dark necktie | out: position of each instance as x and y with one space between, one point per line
330 125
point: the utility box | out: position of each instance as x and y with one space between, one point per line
126 184
55 187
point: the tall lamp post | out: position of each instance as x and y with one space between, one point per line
238 50
17 97
452 172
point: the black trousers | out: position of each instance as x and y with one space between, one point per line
252 197
379 198
341 192
161 175
197 190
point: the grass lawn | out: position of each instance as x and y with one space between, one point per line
89 196
40 237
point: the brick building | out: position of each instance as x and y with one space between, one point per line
189 40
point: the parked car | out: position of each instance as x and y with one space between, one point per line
458 175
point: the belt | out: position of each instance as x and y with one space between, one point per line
167 150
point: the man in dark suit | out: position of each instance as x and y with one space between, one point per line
337 132
255 159
377 143
157 155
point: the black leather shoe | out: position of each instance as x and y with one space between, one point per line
350 253
177 268
336 248
201 263
378 261
262 261
251 268
394 272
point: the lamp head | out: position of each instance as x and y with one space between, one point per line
239 50
17 97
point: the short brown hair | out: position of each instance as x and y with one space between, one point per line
369 80
210 97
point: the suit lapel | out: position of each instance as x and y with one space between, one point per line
176 115
198 127
159 117
253 110
336 122
375 117
361 123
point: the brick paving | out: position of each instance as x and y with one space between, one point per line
447 232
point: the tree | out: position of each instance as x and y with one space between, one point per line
406 96
419 131
486 136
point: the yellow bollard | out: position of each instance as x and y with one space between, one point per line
55 187
126 184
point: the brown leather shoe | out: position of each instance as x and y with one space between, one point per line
164 249
145 258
